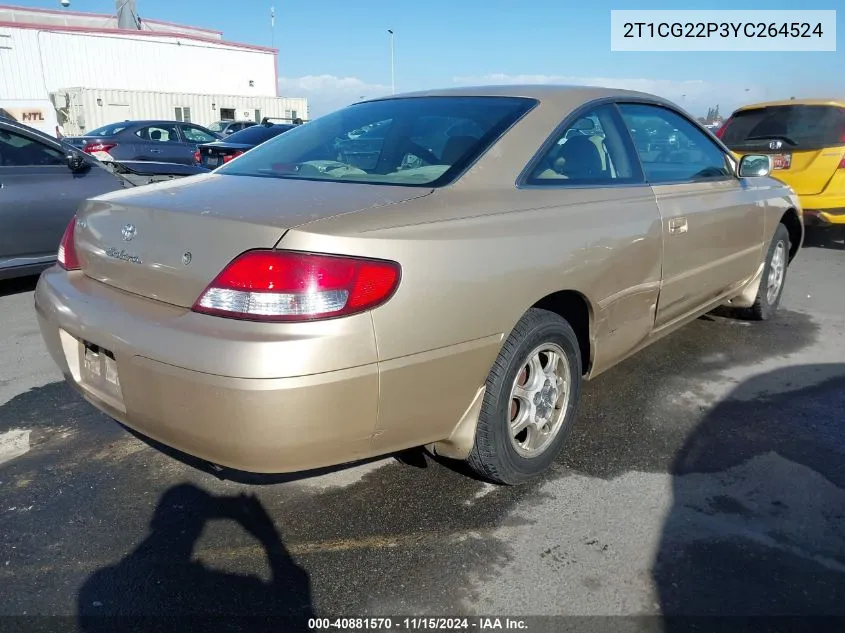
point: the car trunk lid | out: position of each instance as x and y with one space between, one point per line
213 154
806 142
168 241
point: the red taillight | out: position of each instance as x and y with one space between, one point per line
93 146
842 163
197 157
267 285
67 248
229 157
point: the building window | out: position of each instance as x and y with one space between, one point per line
287 115
258 116
293 114
227 114
183 114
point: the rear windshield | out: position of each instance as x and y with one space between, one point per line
218 126
256 134
108 130
412 141
796 126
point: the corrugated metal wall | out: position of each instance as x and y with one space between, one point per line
27 15
36 62
21 72
80 111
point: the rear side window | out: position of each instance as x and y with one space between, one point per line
590 150
798 127
108 130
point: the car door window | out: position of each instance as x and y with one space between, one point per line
671 148
196 135
159 134
591 148
17 150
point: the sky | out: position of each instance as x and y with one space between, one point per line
335 52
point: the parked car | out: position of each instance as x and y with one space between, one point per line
290 310
211 155
42 182
158 141
806 141
225 128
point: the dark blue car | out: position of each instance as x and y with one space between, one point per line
211 155
159 141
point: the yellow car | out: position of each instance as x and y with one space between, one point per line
806 139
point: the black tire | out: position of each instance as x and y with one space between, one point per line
493 455
765 308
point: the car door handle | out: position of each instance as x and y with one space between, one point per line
155 151
678 226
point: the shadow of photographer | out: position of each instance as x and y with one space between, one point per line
159 586
757 526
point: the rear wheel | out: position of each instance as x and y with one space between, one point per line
774 277
531 395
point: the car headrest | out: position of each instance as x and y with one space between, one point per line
155 135
579 158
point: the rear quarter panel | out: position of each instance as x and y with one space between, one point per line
472 264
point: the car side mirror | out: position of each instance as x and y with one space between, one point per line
76 163
755 166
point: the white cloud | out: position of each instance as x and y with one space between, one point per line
326 93
694 95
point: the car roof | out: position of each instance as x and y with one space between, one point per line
563 95
787 102
150 122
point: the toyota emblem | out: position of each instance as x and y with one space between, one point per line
128 232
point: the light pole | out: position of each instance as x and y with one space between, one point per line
392 65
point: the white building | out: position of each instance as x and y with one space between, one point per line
81 70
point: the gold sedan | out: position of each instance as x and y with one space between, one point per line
441 268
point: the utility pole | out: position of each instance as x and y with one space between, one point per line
392 63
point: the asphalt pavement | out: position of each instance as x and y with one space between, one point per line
705 476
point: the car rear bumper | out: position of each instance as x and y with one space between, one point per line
264 406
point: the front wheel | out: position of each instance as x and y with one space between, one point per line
774 277
531 396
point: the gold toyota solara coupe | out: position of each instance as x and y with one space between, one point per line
438 269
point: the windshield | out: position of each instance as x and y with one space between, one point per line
256 134
108 130
798 127
218 126
413 141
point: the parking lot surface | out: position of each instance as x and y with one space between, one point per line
706 475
